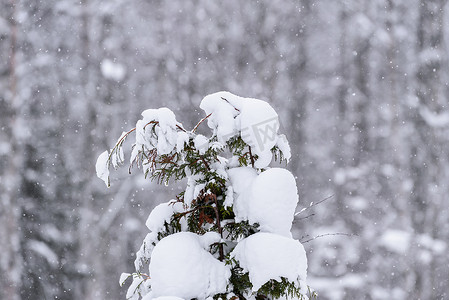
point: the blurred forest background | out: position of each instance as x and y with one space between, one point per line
361 87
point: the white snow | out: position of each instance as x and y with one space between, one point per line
144 253
269 256
201 143
395 240
139 285
229 197
159 215
255 120
269 198
242 179
284 146
192 189
222 119
155 222
180 266
165 137
112 70
118 157
102 167
123 278
183 138
259 125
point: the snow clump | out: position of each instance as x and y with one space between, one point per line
181 266
102 167
269 198
253 119
269 256
165 137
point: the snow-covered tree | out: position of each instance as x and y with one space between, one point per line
228 234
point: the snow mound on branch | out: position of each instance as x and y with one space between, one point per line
159 215
242 179
165 135
181 266
257 253
201 143
102 167
255 120
223 114
284 146
269 199
144 253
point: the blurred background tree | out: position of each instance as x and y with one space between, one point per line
361 88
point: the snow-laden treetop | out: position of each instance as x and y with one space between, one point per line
227 235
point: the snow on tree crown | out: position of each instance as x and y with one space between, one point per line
227 236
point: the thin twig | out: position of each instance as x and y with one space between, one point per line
251 156
151 122
119 143
205 162
329 234
230 104
201 121
180 128
314 204
306 217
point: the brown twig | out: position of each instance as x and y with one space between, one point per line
220 230
251 156
119 142
180 128
201 121
151 122
230 104
134 129
205 162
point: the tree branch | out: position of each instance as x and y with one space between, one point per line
328 234
220 230
230 104
313 204
201 121
251 156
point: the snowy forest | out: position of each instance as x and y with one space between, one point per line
361 88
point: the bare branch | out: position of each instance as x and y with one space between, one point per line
201 121
303 218
328 234
251 156
230 104
313 204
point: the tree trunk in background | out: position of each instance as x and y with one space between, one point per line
298 73
429 145
10 163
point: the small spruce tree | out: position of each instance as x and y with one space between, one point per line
227 235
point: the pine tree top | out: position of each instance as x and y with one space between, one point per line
227 235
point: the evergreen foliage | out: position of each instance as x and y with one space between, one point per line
204 166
